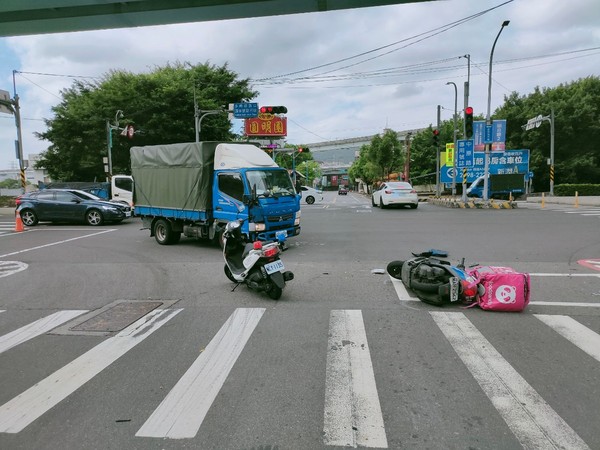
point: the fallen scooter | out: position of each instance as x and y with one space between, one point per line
434 280
256 264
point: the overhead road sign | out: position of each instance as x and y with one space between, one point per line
245 110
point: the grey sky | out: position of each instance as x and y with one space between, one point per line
352 101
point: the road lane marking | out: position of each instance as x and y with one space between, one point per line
533 422
22 410
578 334
25 250
10 267
352 411
37 328
401 291
182 411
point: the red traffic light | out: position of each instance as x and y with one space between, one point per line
469 122
273 109
436 132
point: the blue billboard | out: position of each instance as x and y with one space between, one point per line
501 162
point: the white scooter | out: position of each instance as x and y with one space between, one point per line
256 264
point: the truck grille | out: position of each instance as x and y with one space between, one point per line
284 218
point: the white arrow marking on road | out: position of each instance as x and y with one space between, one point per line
19 412
37 328
533 422
9 267
352 411
181 413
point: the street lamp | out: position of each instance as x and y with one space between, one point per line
453 152
488 119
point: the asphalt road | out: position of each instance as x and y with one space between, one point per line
347 357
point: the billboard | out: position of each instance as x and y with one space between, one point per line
501 162
266 125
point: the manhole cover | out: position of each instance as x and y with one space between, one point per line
117 317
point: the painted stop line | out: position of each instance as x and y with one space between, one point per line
593 264
9 267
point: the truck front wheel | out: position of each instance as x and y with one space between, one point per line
164 234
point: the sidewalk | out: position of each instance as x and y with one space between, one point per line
572 201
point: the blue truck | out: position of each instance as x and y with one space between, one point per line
502 186
195 188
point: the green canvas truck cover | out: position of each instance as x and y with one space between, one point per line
174 175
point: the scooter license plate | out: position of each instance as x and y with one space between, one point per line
454 288
275 266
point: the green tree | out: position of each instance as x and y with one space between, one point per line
385 152
159 105
576 108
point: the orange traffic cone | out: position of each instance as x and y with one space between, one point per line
18 223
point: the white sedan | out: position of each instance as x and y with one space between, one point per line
310 195
395 193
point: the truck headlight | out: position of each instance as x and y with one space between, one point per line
258 227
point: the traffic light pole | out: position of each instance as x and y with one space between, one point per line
454 138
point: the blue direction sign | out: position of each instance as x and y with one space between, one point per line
245 110
494 134
465 153
502 162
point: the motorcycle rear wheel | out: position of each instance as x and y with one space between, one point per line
274 292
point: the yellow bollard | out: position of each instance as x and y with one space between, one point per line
543 200
576 199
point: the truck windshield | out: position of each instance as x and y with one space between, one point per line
269 183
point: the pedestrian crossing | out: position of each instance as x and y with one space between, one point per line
353 415
586 211
7 227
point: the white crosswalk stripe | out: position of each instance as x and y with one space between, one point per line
31 404
36 328
352 412
181 413
534 423
588 211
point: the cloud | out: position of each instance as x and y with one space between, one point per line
311 63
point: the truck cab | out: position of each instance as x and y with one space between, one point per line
265 190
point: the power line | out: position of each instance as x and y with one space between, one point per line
426 34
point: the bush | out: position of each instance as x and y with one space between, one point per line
569 190
7 202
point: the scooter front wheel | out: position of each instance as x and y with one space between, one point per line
229 274
395 269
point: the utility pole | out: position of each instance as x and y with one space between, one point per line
535 123
11 106
109 128
438 189
488 119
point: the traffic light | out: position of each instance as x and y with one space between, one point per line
303 150
469 122
436 138
273 109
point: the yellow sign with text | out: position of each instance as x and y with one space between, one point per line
450 154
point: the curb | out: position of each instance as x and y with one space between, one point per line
471 204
